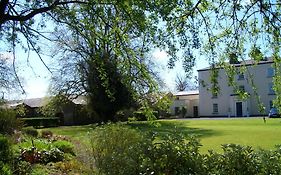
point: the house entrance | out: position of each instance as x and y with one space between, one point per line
239 109
195 111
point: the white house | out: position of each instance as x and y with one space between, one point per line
227 102
187 100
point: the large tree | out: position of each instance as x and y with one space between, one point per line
219 29
103 54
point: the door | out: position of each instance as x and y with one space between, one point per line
195 111
239 109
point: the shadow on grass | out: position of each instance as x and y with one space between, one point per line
172 127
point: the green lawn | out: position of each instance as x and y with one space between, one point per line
212 133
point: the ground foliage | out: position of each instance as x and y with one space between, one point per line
121 150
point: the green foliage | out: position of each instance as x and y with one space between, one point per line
5 169
154 105
44 151
120 150
31 132
237 159
173 154
55 105
22 167
256 54
8 121
117 149
64 146
5 150
5 155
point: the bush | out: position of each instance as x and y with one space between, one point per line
47 134
64 146
5 169
41 121
5 156
52 155
22 167
174 154
236 159
117 149
5 150
31 132
8 121
121 150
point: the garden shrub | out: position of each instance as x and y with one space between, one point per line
270 161
120 150
38 122
238 159
174 154
5 155
5 169
21 167
8 121
117 149
46 134
31 132
52 155
5 149
64 146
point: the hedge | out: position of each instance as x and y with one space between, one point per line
41 121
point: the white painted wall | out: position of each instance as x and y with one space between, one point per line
227 101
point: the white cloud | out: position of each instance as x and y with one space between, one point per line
160 54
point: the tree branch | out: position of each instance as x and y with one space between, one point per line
34 12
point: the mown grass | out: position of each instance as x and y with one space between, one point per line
212 132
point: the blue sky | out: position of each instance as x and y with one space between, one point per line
36 77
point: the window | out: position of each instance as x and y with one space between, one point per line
270 89
215 108
270 72
270 104
241 76
177 110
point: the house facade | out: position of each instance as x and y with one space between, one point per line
250 77
185 104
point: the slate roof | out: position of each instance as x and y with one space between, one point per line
39 102
187 93
243 63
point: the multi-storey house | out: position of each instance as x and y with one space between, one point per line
250 77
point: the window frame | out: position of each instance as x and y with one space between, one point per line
215 108
270 89
270 72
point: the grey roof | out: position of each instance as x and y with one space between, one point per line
39 102
187 93
243 63
36 102
32 102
